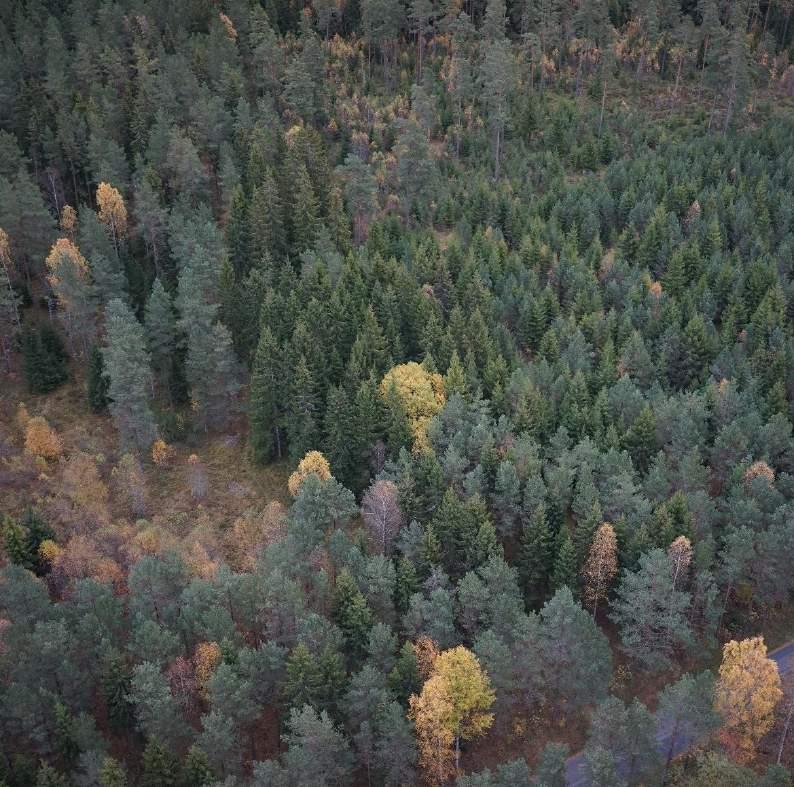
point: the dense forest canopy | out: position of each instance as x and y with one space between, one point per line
396 392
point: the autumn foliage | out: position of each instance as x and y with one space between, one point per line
162 453
601 566
421 394
62 254
747 693
313 462
112 211
454 705
41 439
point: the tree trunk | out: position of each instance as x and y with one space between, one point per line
785 731
678 76
671 750
703 69
766 17
603 106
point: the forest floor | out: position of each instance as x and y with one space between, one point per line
235 485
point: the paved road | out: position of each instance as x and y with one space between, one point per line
576 768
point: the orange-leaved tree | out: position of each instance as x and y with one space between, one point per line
746 694
41 439
454 705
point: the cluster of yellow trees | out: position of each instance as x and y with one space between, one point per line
454 705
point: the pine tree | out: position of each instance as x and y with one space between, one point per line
97 381
497 84
130 378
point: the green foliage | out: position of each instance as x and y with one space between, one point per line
127 366
45 359
97 381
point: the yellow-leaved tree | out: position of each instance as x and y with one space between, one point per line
746 694
419 393
454 705
313 462
70 279
601 566
112 212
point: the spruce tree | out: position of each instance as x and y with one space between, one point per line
266 401
238 234
339 438
97 382
640 440
352 614
210 360
537 556
268 235
211 370
565 567
44 359
304 211
161 334
130 377
302 412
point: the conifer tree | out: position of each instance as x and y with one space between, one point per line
303 431
97 381
211 371
640 439
537 556
352 614
44 359
161 334
304 211
159 766
10 324
565 564
339 436
268 235
266 401
238 234
129 374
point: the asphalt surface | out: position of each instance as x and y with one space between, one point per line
576 768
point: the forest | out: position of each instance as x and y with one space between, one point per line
396 392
